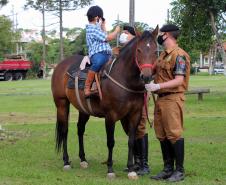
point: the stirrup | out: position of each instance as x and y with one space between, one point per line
92 94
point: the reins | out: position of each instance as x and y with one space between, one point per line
122 86
132 91
140 66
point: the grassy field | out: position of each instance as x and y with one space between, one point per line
28 157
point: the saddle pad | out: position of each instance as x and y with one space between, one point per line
74 71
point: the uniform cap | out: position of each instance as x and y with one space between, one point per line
169 28
130 29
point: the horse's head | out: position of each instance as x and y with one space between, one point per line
146 53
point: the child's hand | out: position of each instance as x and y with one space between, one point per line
103 25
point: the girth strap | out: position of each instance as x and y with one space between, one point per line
79 99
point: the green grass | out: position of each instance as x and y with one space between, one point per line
27 153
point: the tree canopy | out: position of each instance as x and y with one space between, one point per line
6 36
54 5
202 22
57 7
3 3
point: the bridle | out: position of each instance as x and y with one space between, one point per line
142 66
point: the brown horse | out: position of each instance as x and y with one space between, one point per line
122 85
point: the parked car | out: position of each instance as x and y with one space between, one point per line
218 70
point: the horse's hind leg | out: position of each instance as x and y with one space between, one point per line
82 120
62 129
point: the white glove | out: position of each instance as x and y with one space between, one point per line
152 87
85 61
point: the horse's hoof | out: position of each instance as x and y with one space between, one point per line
111 176
133 176
66 167
84 165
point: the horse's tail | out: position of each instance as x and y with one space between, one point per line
61 131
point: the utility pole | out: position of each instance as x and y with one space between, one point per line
168 16
13 19
131 12
117 38
17 40
15 23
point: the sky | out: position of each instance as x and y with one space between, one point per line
152 12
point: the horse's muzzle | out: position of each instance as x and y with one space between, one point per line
146 79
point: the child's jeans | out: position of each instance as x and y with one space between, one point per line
98 60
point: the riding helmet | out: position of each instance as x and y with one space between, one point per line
94 11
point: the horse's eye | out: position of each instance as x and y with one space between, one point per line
139 50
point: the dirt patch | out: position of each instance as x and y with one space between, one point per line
30 118
25 118
12 136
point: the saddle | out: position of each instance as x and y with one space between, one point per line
81 74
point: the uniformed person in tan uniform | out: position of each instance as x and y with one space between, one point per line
141 141
172 71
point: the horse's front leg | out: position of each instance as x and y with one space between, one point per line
82 120
131 173
110 129
133 121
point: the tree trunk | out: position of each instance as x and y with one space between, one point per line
210 62
61 33
219 41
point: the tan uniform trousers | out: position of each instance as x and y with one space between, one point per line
168 117
142 128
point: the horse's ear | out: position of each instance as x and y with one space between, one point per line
155 32
138 33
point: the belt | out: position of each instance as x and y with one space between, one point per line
165 94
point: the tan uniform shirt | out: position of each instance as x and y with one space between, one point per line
165 69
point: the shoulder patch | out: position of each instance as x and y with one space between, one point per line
181 60
180 66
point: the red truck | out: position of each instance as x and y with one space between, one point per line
14 67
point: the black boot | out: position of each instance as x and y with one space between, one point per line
168 159
144 167
178 174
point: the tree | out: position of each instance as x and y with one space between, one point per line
79 43
6 36
3 3
201 21
34 53
58 6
